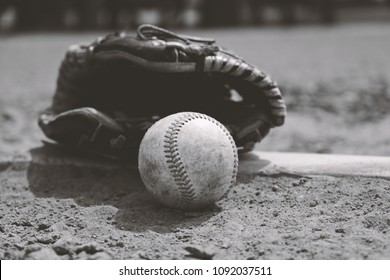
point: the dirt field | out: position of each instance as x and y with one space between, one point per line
336 83
52 208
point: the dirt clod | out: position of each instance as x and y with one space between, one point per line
198 253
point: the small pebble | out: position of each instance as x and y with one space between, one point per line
313 203
63 246
19 246
41 254
199 253
43 226
47 239
101 256
90 248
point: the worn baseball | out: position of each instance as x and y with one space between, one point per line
188 161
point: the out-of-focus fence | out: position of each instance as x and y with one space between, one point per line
120 14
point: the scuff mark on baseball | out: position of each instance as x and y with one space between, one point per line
188 160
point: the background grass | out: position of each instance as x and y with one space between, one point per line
336 81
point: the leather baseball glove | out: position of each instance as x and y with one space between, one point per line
111 91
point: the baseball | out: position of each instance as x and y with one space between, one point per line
188 160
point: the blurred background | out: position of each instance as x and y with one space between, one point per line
25 15
330 58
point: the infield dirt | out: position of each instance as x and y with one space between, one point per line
52 208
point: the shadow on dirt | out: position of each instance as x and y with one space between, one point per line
92 181
250 166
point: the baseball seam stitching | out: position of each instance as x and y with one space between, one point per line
174 161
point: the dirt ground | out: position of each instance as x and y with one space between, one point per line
53 206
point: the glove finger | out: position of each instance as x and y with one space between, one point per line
88 129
